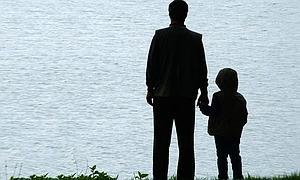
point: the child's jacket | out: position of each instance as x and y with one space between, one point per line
228 111
228 115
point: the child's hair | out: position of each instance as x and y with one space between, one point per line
227 80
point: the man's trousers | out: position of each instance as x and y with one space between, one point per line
180 110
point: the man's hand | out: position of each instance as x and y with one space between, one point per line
203 99
205 109
149 98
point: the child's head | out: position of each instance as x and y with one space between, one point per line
227 80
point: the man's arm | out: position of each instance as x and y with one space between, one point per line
203 76
151 73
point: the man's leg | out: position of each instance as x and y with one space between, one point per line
235 157
163 121
185 125
222 155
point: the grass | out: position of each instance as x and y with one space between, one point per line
292 176
98 175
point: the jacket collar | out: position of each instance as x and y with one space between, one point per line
177 25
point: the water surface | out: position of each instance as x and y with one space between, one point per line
72 85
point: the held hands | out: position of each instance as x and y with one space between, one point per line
203 99
203 104
205 109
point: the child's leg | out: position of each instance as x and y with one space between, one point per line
222 154
235 157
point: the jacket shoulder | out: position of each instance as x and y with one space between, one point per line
190 32
241 98
217 94
162 31
195 34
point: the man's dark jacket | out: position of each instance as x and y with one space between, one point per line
176 63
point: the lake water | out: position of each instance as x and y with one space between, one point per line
72 83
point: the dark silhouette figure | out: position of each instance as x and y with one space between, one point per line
176 70
227 116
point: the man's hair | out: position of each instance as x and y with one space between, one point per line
178 10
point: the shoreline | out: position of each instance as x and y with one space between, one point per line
94 174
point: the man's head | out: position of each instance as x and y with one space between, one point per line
178 10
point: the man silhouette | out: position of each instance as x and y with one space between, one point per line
176 70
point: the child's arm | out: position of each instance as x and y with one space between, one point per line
209 110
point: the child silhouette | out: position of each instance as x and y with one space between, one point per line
227 116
